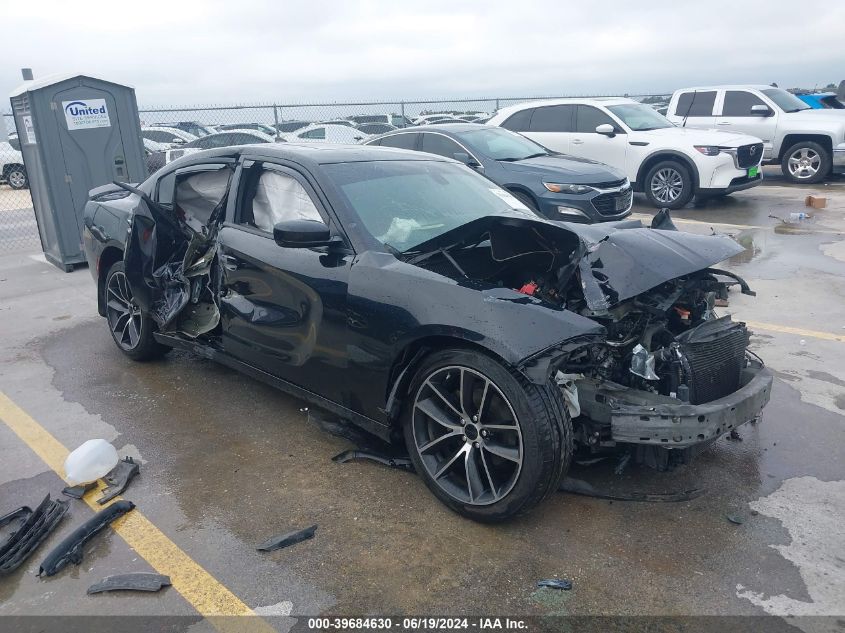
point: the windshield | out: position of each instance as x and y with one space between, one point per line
639 117
501 144
405 203
786 101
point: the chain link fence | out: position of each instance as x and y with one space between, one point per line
171 131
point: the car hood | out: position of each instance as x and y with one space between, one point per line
825 116
573 170
615 260
694 136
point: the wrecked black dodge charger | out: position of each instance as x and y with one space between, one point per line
413 297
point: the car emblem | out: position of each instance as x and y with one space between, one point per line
753 150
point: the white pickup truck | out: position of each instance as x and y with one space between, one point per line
808 144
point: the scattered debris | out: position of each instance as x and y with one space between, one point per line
34 528
119 478
555 583
623 462
286 540
735 436
140 581
402 463
70 549
816 202
735 519
581 487
78 491
92 460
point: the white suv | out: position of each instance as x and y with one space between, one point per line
809 144
668 163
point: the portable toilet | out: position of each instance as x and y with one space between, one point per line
76 133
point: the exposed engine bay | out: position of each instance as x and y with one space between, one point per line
665 342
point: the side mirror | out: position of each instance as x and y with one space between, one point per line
466 159
761 110
301 234
606 129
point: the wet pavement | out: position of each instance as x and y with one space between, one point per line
228 462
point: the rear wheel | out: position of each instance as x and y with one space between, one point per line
16 177
668 184
806 162
488 443
131 329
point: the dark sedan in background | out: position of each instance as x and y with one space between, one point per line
557 186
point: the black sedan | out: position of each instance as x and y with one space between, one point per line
409 295
557 186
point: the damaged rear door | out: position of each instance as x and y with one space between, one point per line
283 309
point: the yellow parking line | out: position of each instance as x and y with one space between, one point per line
202 590
827 336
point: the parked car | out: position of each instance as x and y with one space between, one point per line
405 293
261 127
428 119
821 100
286 127
230 137
12 170
168 136
375 128
195 128
327 133
153 146
396 120
808 144
668 163
343 122
556 186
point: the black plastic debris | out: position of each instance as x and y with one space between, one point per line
286 540
78 491
555 583
33 529
581 487
140 581
118 478
735 519
70 549
402 463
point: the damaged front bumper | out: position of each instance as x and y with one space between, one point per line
642 417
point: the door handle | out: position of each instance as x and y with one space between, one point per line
577 141
230 263
723 123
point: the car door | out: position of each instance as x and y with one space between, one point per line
283 310
736 116
552 127
587 143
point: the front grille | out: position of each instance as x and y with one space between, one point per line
610 184
749 155
715 351
613 203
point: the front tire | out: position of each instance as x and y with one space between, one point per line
488 443
668 184
131 329
16 177
806 163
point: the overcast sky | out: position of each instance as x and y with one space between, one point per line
189 53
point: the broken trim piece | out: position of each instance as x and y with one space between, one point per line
581 487
31 533
402 463
119 478
139 581
70 549
286 540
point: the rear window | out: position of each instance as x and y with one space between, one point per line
695 104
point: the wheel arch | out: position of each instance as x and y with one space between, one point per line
517 188
107 259
667 154
791 139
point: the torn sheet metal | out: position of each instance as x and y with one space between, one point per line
642 363
119 478
140 581
35 527
70 549
286 540
171 254
78 491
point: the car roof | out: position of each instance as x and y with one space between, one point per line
454 128
727 87
605 101
319 153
